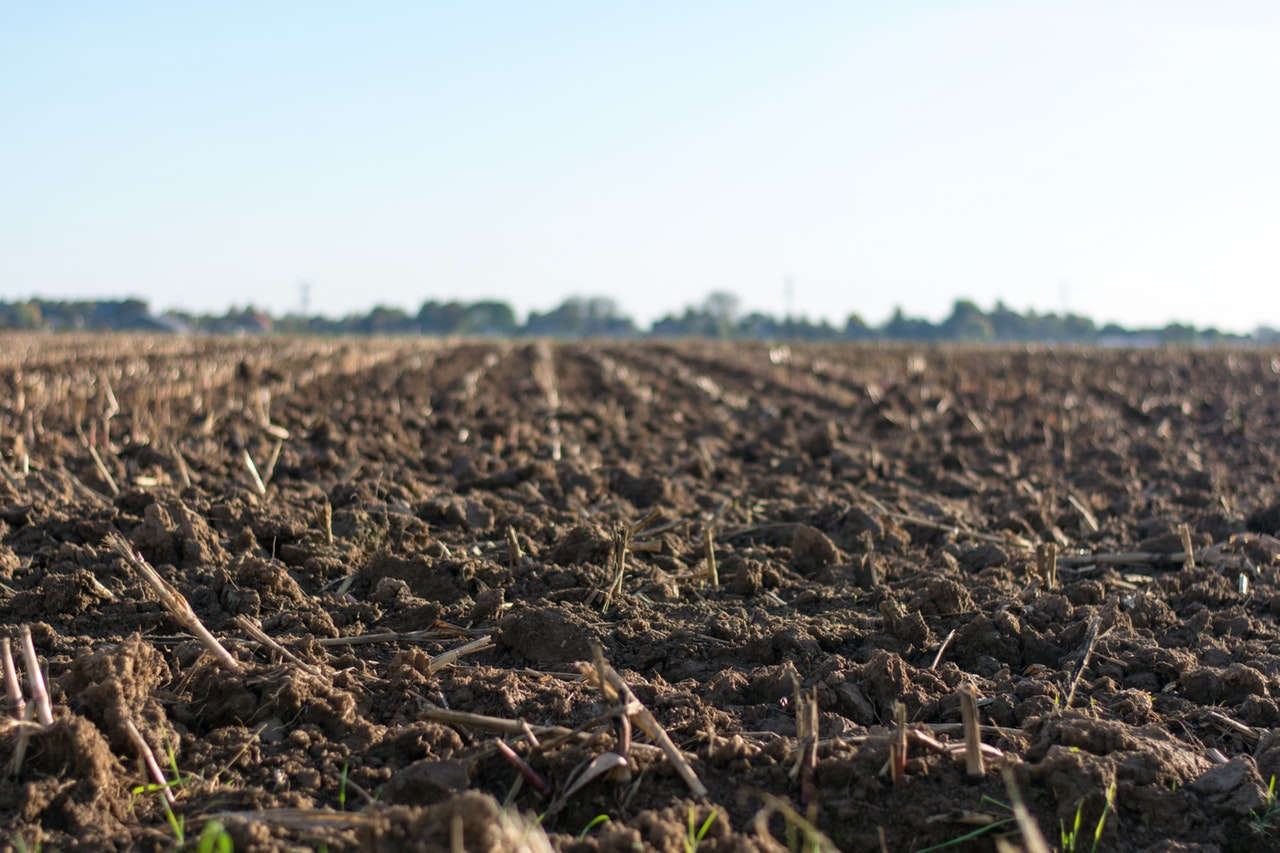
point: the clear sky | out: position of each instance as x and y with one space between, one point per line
1118 158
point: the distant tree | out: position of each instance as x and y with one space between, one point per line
900 327
294 324
722 308
566 320
604 317
117 314
1006 324
579 317
435 318
692 323
1114 330
384 320
759 325
1078 328
856 329
29 315
600 310
488 318
804 329
1178 334
967 323
717 315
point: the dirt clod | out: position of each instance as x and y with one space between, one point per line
811 549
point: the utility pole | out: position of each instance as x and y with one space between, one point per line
304 292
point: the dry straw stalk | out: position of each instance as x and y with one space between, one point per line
174 602
35 679
13 689
604 674
149 760
972 737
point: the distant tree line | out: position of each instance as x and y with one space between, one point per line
719 315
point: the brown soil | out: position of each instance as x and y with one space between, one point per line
868 507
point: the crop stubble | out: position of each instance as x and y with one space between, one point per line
457 574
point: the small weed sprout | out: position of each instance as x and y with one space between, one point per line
1067 837
214 838
173 762
177 823
1265 822
1102 819
342 788
695 833
594 822
177 781
1070 838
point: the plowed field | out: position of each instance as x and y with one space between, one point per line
485 595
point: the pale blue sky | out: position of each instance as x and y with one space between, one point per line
1117 157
